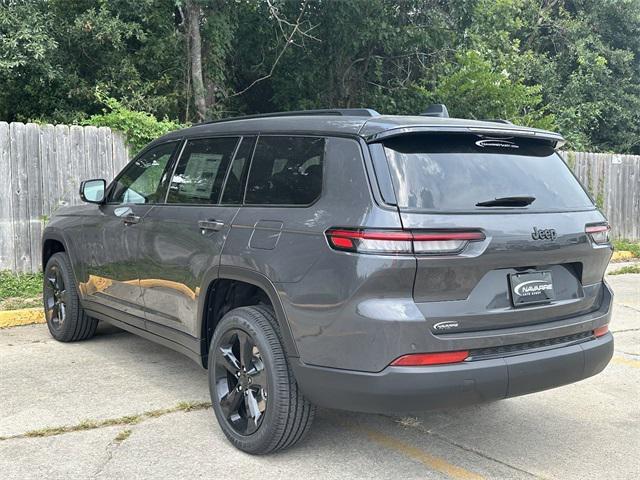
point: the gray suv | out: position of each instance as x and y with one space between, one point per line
344 259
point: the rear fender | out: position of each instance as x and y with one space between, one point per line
259 280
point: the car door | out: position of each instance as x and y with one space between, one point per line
183 237
111 236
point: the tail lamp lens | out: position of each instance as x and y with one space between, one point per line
600 331
422 359
599 233
400 241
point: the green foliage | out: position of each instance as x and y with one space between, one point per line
627 269
573 66
21 285
139 127
55 53
627 246
474 88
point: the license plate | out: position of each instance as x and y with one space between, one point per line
531 287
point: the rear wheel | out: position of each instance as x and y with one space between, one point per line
254 394
66 319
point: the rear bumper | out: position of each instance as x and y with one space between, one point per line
402 389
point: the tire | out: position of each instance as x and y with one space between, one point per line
283 415
66 319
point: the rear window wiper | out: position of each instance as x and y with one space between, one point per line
516 201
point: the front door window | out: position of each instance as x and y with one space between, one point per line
141 181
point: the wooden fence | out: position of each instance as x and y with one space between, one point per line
40 170
41 167
614 182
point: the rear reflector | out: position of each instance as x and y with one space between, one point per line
401 241
598 233
421 359
600 331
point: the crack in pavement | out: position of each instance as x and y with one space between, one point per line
630 307
418 426
110 422
111 447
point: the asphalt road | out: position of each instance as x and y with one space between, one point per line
122 399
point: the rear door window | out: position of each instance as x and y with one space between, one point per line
200 172
454 172
286 170
237 175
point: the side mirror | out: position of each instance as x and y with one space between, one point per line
92 191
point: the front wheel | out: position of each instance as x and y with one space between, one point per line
254 394
66 319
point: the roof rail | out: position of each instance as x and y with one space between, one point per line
499 120
344 112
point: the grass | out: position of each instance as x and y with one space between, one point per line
627 269
21 290
20 285
111 422
628 246
122 436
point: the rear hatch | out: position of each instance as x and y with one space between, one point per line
532 263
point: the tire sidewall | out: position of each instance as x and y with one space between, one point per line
277 390
72 307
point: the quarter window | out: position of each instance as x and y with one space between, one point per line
286 171
200 172
141 181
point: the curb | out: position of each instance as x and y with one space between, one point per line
24 316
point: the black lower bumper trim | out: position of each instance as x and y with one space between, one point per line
404 389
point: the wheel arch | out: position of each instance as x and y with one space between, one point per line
52 242
209 313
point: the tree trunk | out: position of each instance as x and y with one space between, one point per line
195 54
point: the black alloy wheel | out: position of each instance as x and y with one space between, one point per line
254 394
241 381
55 297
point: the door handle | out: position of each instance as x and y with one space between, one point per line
212 225
130 219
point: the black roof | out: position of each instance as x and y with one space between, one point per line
370 128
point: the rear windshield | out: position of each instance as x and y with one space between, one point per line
454 172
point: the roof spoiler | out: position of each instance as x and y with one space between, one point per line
498 131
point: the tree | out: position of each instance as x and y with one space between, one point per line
193 19
573 65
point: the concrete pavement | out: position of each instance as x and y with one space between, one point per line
134 411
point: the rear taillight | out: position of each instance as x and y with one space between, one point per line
598 233
401 241
600 331
422 359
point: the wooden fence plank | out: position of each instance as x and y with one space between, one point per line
91 158
20 196
63 164
49 172
7 257
76 153
34 189
105 149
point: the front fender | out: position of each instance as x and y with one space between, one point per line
69 245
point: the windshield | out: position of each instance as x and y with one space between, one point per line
456 172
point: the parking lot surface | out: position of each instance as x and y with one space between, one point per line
119 406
